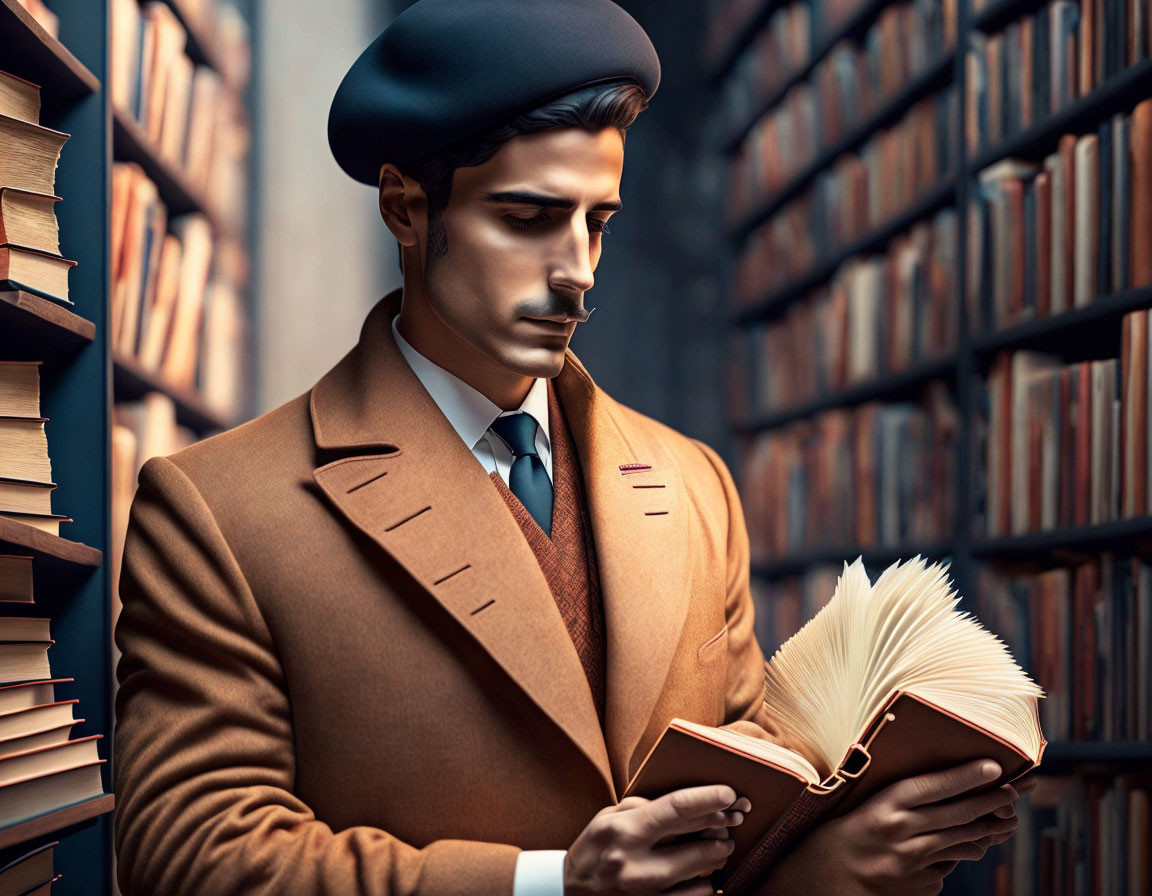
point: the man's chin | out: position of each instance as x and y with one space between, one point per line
536 362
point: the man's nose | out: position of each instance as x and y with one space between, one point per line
573 270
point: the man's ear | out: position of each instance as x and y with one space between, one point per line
403 205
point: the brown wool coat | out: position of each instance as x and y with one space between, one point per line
343 671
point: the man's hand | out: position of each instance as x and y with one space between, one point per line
904 840
620 851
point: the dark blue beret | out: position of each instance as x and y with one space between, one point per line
445 69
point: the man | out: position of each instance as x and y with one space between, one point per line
412 632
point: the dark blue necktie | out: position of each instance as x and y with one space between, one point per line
528 479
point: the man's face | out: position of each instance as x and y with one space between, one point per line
523 236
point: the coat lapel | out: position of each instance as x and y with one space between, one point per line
638 509
419 494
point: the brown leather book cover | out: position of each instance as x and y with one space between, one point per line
908 736
1086 54
1140 235
1139 440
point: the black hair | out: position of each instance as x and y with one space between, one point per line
608 104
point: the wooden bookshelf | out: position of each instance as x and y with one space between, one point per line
42 321
44 60
933 78
131 144
776 301
855 25
743 39
890 386
80 380
56 823
132 381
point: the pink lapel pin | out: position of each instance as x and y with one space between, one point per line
625 469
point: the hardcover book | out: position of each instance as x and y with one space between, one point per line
887 681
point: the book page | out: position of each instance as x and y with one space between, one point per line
904 632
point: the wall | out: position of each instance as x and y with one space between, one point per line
323 255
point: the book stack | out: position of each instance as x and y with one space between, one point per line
25 468
871 476
858 193
1085 634
44 17
30 874
29 236
1042 62
1049 238
41 768
880 314
189 113
846 88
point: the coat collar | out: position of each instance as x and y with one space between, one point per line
417 491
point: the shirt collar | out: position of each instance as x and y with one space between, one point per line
469 411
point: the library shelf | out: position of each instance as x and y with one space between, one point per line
57 820
889 387
1081 116
132 381
201 50
1061 755
778 299
998 13
832 556
51 550
41 322
745 34
919 86
1041 332
854 26
43 59
1092 538
180 197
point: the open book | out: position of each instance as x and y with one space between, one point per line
887 681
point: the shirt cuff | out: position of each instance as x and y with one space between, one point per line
539 872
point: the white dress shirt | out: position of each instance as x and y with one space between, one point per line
539 872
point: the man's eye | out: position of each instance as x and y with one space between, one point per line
526 222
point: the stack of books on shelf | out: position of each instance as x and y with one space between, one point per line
875 475
1084 632
880 314
783 605
858 193
1042 62
1045 239
1067 444
30 874
846 88
44 17
25 469
29 237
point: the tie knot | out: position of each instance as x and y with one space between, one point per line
519 431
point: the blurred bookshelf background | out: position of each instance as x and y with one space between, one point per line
893 258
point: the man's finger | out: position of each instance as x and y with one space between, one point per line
923 790
929 845
686 861
668 814
964 810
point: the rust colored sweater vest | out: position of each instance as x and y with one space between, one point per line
568 558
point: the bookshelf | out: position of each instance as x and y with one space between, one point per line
1084 331
83 376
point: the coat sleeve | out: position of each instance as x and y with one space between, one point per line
745 689
203 753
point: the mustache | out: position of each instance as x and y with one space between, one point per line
554 307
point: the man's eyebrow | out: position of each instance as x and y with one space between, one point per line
524 197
